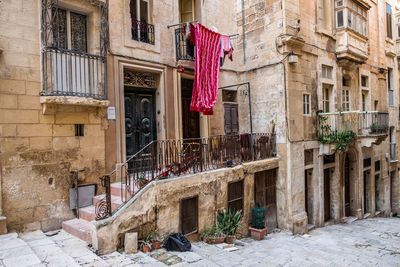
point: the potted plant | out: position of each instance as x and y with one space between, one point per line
257 228
213 235
145 245
155 239
229 222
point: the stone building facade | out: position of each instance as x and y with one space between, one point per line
313 72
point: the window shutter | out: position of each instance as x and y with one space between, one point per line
235 119
235 196
227 119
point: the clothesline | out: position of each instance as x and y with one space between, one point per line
193 21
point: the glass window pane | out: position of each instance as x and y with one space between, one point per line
340 18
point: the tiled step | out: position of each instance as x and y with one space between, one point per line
79 228
115 201
116 190
87 213
16 252
47 250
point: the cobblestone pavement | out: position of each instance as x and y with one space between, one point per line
371 242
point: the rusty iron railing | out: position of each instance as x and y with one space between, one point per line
163 159
360 122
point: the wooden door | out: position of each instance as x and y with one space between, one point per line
265 196
307 194
347 186
140 124
189 215
327 196
367 192
231 119
190 119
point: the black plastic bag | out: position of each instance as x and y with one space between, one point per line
177 242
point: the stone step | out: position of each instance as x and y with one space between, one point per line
126 192
115 201
47 250
87 213
79 228
78 250
14 252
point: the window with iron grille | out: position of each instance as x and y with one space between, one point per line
79 130
70 30
235 196
189 215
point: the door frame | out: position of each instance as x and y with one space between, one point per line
204 120
121 64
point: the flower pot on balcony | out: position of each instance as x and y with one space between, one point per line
258 234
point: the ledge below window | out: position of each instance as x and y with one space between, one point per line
50 103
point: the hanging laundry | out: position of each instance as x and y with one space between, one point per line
207 64
226 48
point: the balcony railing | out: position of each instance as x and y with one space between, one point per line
359 122
393 152
72 73
143 31
163 159
184 50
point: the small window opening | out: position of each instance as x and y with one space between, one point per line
235 196
189 215
79 130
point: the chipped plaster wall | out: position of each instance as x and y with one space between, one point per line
38 151
157 206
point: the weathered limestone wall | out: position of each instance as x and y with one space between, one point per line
38 151
157 205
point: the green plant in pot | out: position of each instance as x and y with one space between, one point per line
257 228
141 181
145 245
213 235
229 221
154 238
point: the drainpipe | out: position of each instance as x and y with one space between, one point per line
244 35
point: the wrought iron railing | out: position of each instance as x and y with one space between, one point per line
143 32
163 159
359 122
73 73
184 50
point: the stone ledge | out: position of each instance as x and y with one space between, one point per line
50 103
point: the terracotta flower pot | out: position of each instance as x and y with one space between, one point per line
156 244
214 240
230 238
146 248
258 234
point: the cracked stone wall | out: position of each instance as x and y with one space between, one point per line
38 151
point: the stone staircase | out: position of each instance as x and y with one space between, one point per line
81 227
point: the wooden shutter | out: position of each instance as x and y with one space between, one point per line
189 215
235 196
231 120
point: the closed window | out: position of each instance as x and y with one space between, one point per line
141 28
231 118
390 87
364 100
326 72
346 100
325 99
398 27
235 196
356 16
186 9
70 30
306 104
389 21
189 215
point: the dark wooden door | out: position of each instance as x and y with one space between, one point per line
189 215
140 124
327 196
347 186
265 196
190 119
392 177
231 119
367 192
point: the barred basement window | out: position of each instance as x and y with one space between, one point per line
235 196
79 130
189 215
